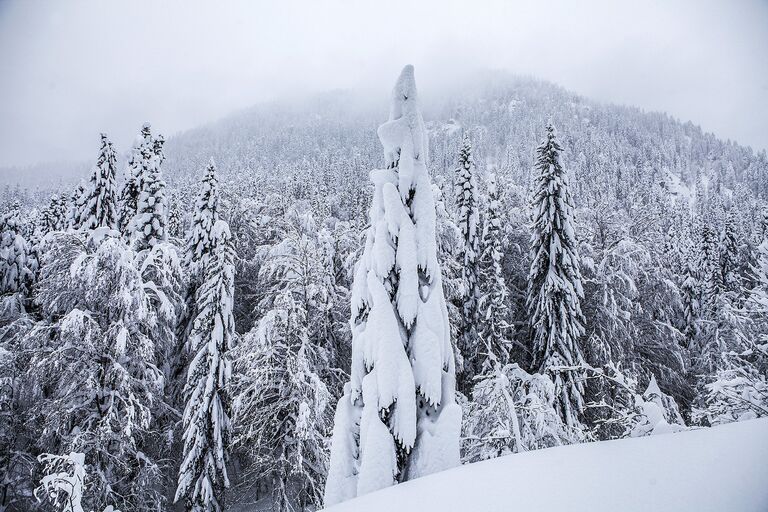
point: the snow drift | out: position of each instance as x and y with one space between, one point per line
721 469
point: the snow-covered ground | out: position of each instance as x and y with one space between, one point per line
720 469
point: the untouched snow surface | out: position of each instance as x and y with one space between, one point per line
720 469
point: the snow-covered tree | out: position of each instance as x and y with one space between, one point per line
690 295
64 481
282 406
513 411
729 253
100 210
15 274
77 207
469 224
143 148
494 329
206 421
709 268
54 216
398 419
95 357
738 390
204 217
554 286
148 227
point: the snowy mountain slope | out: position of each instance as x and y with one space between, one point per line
506 112
720 469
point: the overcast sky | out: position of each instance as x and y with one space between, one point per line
70 69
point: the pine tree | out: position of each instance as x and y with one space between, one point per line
129 197
469 224
100 210
709 268
690 292
282 406
175 220
205 215
494 327
148 227
206 424
554 281
729 253
198 252
15 274
402 383
96 357
77 206
54 216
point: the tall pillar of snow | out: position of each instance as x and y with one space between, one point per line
398 419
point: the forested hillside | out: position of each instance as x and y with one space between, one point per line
184 316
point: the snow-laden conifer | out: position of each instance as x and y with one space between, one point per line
493 311
403 379
689 290
97 358
143 147
205 215
54 216
282 406
554 282
77 206
101 207
729 252
15 274
206 421
148 227
469 224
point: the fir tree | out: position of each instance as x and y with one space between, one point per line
77 205
690 295
97 359
494 326
554 281
100 210
282 406
469 224
129 196
15 274
729 253
205 215
397 419
709 268
206 421
54 216
148 227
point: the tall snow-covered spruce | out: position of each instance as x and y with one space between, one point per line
203 473
397 419
129 196
469 224
148 227
554 281
101 207
203 219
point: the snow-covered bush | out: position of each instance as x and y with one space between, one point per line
513 411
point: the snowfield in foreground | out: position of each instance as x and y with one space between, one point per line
723 469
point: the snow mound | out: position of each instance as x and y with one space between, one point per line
716 469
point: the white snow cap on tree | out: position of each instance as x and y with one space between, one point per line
402 384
